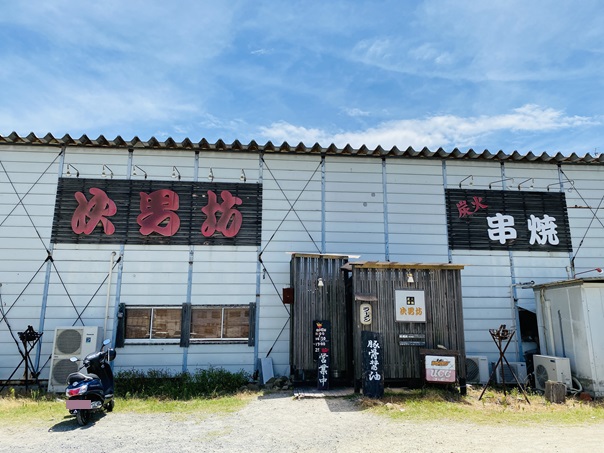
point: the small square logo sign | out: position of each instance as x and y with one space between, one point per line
410 305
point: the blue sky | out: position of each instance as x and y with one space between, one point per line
497 75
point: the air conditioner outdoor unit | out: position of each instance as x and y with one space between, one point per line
549 368
71 342
519 369
477 370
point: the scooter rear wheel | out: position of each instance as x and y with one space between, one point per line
109 406
83 417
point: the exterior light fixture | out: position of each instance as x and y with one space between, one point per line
105 170
410 278
134 172
570 181
502 180
320 283
471 183
175 173
211 175
531 187
71 167
243 177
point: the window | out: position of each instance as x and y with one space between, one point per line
152 323
220 323
204 324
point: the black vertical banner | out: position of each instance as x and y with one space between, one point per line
321 352
372 364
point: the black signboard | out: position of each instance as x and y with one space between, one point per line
507 220
322 353
373 364
412 339
114 211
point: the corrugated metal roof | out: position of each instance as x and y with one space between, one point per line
301 148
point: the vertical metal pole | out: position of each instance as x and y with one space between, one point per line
444 171
189 299
120 266
385 201
47 275
258 282
514 291
571 259
323 203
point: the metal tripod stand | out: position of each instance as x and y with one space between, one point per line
29 338
499 336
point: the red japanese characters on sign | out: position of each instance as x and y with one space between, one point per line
102 211
465 210
89 214
157 213
229 221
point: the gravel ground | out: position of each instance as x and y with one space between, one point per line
280 423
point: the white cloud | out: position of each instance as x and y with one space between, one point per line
432 132
354 112
93 109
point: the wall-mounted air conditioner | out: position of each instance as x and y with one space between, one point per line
477 369
519 369
71 342
549 368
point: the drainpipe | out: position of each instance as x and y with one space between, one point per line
108 292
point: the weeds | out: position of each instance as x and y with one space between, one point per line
208 383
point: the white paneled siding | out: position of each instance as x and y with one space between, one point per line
291 222
310 205
354 207
417 224
27 196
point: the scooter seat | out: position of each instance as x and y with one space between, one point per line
77 377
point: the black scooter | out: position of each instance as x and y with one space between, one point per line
92 391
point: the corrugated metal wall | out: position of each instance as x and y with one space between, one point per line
345 214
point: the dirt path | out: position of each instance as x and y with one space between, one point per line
279 423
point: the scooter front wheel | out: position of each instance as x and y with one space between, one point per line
83 417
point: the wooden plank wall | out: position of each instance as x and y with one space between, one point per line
444 315
313 303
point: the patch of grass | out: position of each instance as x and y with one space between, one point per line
494 407
198 406
15 409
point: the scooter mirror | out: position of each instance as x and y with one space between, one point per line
73 359
106 342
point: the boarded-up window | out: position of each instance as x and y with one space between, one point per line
236 322
138 323
166 323
152 323
220 323
208 323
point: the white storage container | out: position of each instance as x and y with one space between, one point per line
570 317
